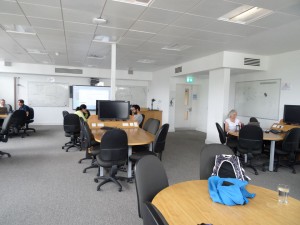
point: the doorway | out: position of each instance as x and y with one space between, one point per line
186 107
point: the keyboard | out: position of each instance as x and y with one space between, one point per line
107 128
276 131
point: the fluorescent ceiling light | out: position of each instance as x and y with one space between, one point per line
104 39
36 51
99 20
147 61
136 2
19 29
245 14
175 47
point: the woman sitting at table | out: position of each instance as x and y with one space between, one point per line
79 112
231 122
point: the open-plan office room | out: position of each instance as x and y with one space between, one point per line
187 64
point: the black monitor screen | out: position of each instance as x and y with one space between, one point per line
291 114
113 110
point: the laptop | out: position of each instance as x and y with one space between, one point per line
3 110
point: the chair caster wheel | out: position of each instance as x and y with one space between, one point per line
294 171
264 170
84 171
96 180
98 189
120 189
62 147
256 173
275 170
129 180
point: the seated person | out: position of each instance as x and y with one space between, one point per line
24 107
231 122
79 112
137 114
86 112
4 105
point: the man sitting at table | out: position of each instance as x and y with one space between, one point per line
24 107
137 114
4 105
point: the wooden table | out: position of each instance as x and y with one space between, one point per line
3 116
189 203
136 136
268 137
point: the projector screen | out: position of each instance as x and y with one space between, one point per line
88 95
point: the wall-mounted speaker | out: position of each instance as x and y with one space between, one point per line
71 91
7 63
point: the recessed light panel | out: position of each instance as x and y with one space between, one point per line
146 61
18 29
176 47
136 2
245 14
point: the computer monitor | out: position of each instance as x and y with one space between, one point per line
291 114
113 110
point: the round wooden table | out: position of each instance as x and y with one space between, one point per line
189 203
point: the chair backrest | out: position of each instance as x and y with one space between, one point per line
150 178
71 123
207 158
18 118
6 124
291 140
221 134
153 216
141 124
147 123
153 126
65 113
31 114
253 119
82 133
250 139
160 138
87 135
114 146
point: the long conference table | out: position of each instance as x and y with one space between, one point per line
135 135
189 203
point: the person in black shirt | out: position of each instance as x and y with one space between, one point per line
86 112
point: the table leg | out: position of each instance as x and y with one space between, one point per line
129 171
272 152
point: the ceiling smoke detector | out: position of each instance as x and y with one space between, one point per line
99 20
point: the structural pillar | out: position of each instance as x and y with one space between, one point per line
113 71
218 100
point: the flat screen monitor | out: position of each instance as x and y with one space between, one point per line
291 114
113 110
88 95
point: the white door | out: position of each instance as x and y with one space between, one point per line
185 106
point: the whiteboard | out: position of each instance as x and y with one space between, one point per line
47 94
136 95
258 98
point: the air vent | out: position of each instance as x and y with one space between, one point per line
130 71
178 69
94 81
65 70
251 62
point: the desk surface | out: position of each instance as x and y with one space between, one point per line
189 203
136 136
3 116
267 136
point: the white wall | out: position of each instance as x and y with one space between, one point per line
284 66
7 89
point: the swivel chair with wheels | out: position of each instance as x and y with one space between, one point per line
72 130
113 154
18 119
152 215
29 119
4 132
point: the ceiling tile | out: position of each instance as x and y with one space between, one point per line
41 11
113 33
175 5
41 58
117 22
80 27
165 39
213 8
28 42
122 9
147 26
130 41
79 36
217 37
13 19
193 21
53 33
45 23
10 7
94 6
159 16
275 20
55 3
293 9
79 16
138 35
273 4
176 31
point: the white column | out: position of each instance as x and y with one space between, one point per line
113 71
218 99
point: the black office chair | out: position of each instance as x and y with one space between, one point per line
158 145
230 142
147 124
113 153
221 132
4 132
153 216
72 130
18 120
153 126
207 158
288 149
92 147
29 119
150 178
65 113
253 121
141 124
250 142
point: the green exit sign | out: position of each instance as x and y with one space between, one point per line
189 79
